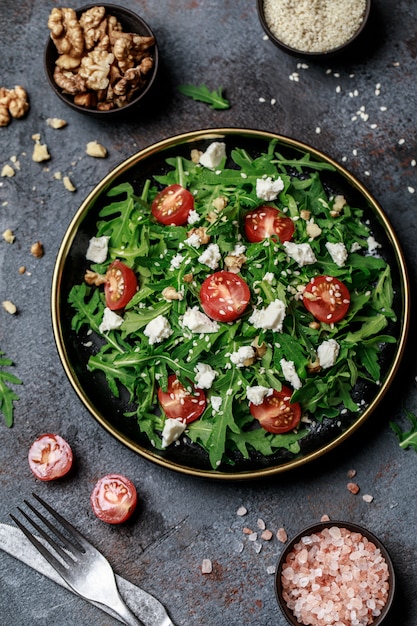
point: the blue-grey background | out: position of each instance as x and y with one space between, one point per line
359 109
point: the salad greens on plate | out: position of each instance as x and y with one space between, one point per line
268 370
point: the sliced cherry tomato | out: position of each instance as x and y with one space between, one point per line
276 414
114 498
172 205
179 403
267 221
224 296
120 286
327 298
50 457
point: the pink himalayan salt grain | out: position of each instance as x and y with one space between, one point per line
343 580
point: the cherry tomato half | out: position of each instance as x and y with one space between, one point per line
50 457
327 298
224 296
172 205
266 221
179 403
120 286
114 498
276 414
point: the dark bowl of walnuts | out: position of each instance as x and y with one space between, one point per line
101 60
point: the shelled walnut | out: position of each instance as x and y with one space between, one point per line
98 63
13 103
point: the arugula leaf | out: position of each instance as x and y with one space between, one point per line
7 395
407 438
214 98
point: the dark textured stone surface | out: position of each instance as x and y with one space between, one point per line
181 520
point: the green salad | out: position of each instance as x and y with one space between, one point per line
239 303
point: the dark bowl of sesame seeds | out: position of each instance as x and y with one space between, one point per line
314 30
333 573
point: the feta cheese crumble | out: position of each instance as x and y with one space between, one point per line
327 353
193 217
214 155
257 394
290 374
193 240
199 322
158 329
205 375
97 250
338 252
110 321
173 429
268 189
216 402
300 252
269 318
243 354
176 262
211 256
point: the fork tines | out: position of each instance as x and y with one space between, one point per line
74 543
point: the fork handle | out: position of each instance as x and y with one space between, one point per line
121 609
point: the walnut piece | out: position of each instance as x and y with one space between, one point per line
37 249
9 307
8 235
66 32
56 122
98 63
40 152
96 150
13 103
93 278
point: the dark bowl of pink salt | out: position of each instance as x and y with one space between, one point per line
335 574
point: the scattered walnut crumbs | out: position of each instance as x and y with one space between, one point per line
37 249
9 307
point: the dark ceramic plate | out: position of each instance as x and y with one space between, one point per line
74 350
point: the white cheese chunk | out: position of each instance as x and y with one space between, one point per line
327 353
373 245
300 252
97 250
338 252
205 375
268 189
193 217
238 250
214 154
245 353
290 374
110 321
176 262
173 429
193 240
211 256
268 278
270 318
257 394
158 329
199 322
216 402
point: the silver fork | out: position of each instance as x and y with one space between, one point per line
83 568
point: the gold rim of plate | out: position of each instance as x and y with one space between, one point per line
218 134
